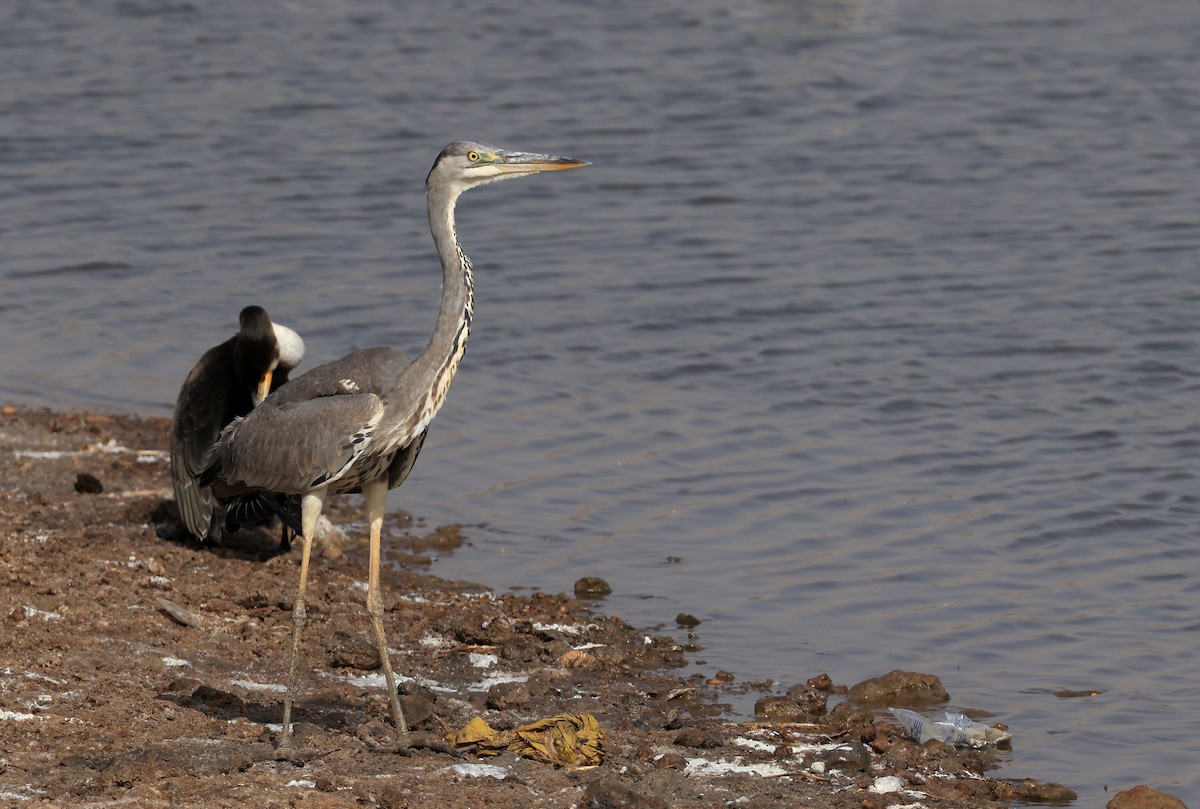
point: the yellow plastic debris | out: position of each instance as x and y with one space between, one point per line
576 740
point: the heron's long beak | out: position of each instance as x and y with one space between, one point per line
263 388
528 163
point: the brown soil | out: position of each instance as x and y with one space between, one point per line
132 669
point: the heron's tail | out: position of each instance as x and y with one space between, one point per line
259 507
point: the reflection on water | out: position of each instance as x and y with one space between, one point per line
880 316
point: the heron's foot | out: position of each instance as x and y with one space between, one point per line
424 741
381 738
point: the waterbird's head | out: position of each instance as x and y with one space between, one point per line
465 164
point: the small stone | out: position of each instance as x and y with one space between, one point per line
852 757
306 734
822 682
88 484
417 707
899 688
938 750
592 587
1036 792
521 648
671 761
811 699
804 708
698 738
686 620
506 696
353 652
1143 797
217 604
180 614
609 793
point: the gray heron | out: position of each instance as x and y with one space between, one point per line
228 381
357 424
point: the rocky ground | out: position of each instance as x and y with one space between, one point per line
139 669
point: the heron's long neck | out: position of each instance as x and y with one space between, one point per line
441 357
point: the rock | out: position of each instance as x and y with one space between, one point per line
813 699
1031 791
698 738
687 620
180 614
308 735
417 708
1143 797
805 707
899 688
852 757
505 696
670 761
592 587
214 702
608 793
353 652
520 648
88 484
822 682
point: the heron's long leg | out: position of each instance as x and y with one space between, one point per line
310 510
375 494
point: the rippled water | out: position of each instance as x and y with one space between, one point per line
880 315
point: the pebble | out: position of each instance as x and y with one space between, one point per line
506 696
822 682
853 757
801 708
1028 790
888 783
903 688
698 738
180 614
353 652
608 793
1143 797
88 484
813 699
592 587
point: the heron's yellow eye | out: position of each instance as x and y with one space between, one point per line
473 156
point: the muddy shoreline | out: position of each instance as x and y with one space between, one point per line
140 668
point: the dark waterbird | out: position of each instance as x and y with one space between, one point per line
357 424
228 381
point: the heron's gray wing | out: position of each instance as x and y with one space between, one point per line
368 370
404 460
298 447
196 503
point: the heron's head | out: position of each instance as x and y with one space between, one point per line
255 352
465 164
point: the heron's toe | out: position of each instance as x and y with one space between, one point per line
424 741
